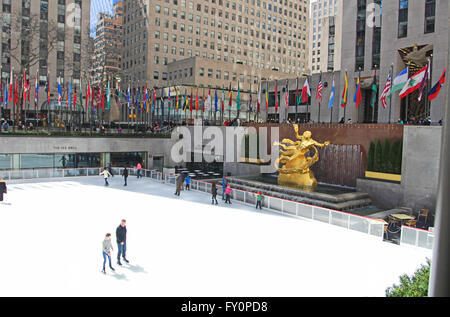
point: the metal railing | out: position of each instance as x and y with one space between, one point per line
372 227
417 237
362 224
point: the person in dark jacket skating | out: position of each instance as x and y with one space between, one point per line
3 189
121 236
125 175
214 193
179 184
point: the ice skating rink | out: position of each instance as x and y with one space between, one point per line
52 233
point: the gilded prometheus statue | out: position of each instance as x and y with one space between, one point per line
296 169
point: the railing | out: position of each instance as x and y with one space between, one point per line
362 224
417 237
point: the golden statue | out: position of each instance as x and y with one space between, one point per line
296 169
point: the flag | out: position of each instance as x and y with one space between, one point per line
425 80
238 99
230 102
11 83
319 92
258 107
47 88
178 101
332 96
434 92
386 91
345 92
185 103
208 101
191 102
298 98
36 91
286 96
108 97
203 101
196 100
59 92
413 83
216 101
251 100
276 97
399 81
16 99
69 94
162 102
75 99
223 99
128 96
306 92
358 96
374 90
146 99
267 97
25 87
154 101
6 94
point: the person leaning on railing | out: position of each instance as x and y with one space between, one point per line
3 189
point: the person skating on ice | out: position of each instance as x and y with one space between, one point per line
121 236
125 175
3 189
188 182
179 184
139 169
107 247
214 193
224 186
259 201
228 191
106 175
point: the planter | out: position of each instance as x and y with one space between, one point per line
384 176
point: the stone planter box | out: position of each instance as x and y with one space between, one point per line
384 176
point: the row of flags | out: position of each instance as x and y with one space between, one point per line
97 97
407 85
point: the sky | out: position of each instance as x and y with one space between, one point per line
98 6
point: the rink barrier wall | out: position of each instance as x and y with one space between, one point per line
417 237
374 227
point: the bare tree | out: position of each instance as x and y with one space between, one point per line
31 40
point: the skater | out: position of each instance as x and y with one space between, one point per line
121 235
125 175
224 186
188 182
259 200
139 168
179 184
214 193
110 169
3 189
228 191
107 247
105 174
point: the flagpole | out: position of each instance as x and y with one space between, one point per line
390 99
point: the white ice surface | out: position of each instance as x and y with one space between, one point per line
51 235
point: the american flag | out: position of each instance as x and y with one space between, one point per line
319 89
386 91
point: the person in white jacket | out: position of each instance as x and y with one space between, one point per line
106 174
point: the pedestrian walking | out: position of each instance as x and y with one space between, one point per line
121 236
259 198
214 193
106 175
125 175
188 182
3 189
228 191
179 184
107 247
139 168
224 186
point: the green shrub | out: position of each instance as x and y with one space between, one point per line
385 159
415 286
377 165
371 158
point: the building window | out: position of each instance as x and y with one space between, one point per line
430 16
360 35
403 19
